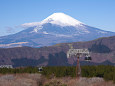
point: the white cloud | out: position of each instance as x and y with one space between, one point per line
25 25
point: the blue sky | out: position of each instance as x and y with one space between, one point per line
96 13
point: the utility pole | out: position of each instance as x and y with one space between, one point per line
78 53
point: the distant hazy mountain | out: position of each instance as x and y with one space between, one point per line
57 28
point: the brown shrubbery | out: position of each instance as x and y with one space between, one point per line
106 72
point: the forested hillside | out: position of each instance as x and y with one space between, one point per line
102 51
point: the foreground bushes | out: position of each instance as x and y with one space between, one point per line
106 72
59 71
55 83
18 70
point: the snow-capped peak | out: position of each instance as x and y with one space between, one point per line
61 19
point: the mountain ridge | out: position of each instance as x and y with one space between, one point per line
57 28
58 19
102 52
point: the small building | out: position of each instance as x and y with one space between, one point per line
6 66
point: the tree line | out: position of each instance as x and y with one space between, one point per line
18 70
106 72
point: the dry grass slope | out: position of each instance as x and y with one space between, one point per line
39 80
19 80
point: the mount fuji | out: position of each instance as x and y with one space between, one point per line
57 28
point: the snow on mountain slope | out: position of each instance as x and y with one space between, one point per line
61 19
58 19
57 28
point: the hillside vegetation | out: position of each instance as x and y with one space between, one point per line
101 50
106 72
